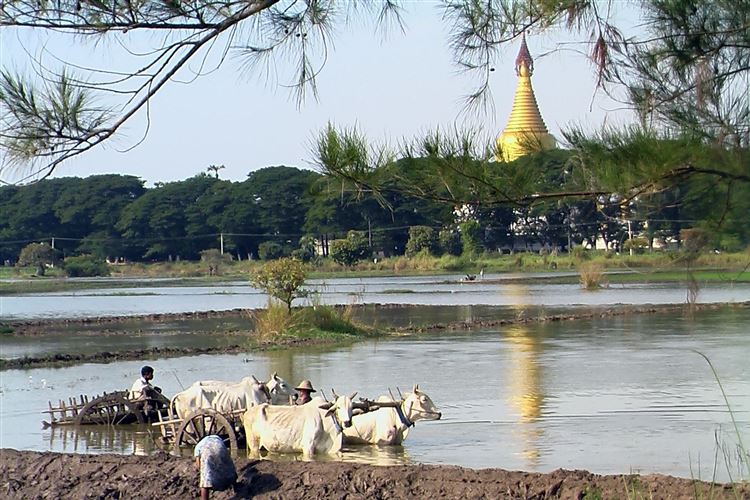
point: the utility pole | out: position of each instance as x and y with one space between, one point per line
53 242
221 243
630 237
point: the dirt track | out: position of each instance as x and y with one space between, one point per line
35 475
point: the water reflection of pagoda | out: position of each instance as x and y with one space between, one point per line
525 131
525 378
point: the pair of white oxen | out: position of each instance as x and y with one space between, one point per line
318 426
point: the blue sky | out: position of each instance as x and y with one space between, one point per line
390 88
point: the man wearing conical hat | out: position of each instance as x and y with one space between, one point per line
304 391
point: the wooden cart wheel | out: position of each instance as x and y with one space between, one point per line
110 409
202 423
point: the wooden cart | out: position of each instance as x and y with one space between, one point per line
196 425
112 408
186 432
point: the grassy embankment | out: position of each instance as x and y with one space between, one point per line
276 326
645 268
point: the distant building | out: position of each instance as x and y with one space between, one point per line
525 131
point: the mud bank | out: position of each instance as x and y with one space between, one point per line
42 475
608 312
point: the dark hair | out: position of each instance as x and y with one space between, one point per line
146 370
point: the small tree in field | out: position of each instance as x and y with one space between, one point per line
350 250
38 255
214 259
471 237
282 279
85 265
270 250
421 238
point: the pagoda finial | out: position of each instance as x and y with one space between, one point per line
524 62
525 131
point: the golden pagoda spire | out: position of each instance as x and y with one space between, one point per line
525 131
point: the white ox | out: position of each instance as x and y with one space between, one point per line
223 397
278 388
314 427
281 392
386 426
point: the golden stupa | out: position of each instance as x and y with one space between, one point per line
525 131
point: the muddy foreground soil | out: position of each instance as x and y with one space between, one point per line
37 475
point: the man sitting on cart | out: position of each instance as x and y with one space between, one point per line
143 393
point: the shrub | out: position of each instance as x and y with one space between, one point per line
328 319
351 249
471 237
213 259
421 238
637 244
85 265
693 241
273 321
306 250
449 241
270 250
456 264
730 243
282 279
580 253
38 255
591 275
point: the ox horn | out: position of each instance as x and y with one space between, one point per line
354 394
415 390
333 392
275 375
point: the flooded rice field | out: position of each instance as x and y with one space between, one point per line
493 290
610 395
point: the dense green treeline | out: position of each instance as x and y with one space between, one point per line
278 210
115 216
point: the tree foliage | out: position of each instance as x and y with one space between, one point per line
684 72
685 76
282 279
164 220
421 238
270 250
351 249
471 237
214 259
449 241
57 116
38 255
85 266
104 216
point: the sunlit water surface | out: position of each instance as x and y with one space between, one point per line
611 395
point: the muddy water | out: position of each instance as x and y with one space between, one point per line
611 395
493 290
